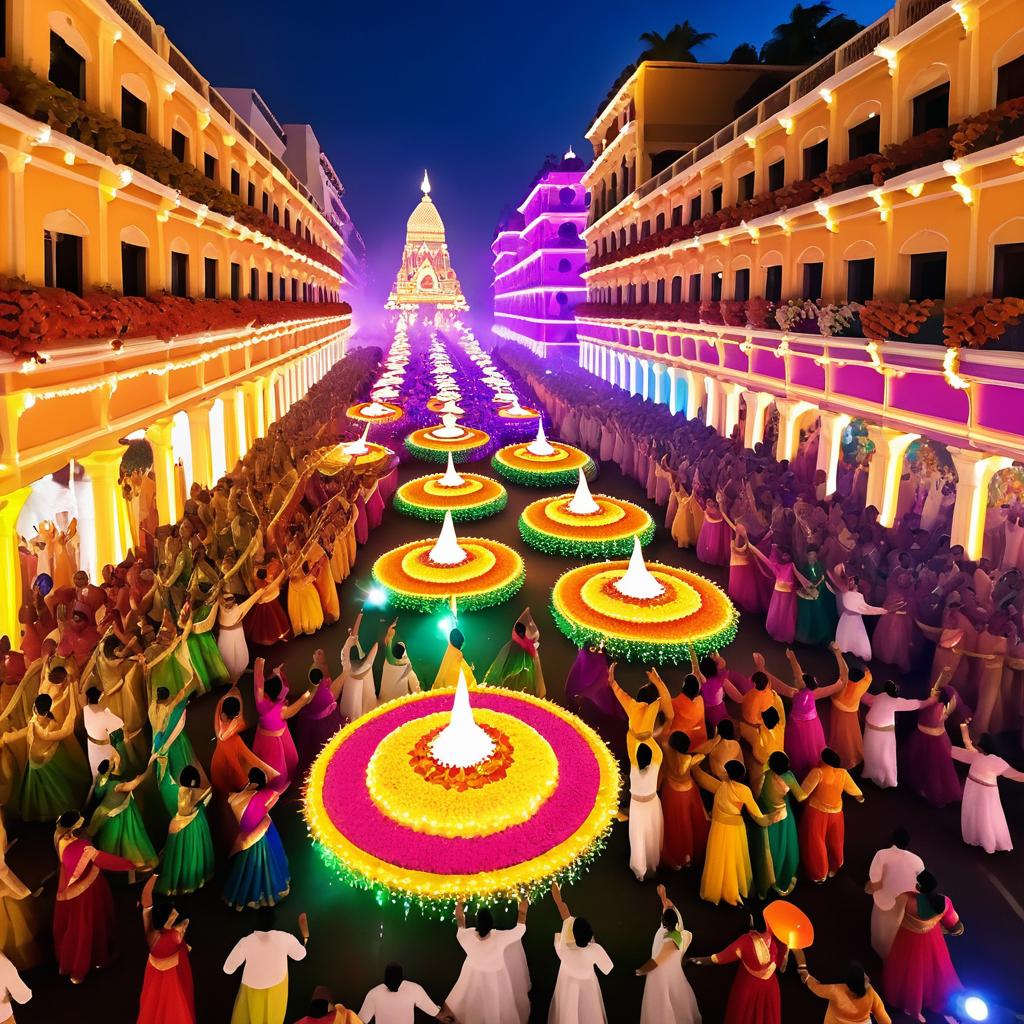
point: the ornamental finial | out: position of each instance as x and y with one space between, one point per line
425 184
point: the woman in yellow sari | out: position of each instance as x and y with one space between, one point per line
642 711
727 872
18 917
304 608
453 664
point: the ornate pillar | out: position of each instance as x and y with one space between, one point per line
270 410
730 407
660 382
253 391
712 417
159 436
974 474
790 411
236 444
695 392
830 446
199 441
103 469
885 469
753 425
676 389
10 564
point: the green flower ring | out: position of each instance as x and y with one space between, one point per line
542 478
460 515
437 455
467 602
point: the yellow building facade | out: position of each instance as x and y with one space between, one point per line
665 316
78 218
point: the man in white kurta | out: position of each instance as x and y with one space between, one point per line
578 998
494 984
893 872
263 993
99 723
397 1000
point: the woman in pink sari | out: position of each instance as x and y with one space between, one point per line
918 974
805 737
273 743
713 541
782 610
746 586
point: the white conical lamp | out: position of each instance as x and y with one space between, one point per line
451 407
539 445
583 503
447 550
461 743
359 445
450 429
374 410
638 582
451 478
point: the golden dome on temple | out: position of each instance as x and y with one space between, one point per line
425 224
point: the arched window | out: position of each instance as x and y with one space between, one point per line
134 261
564 266
567 232
566 196
677 288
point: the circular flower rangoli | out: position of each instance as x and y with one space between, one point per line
517 463
426 498
549 525
427 445
690 611
385 823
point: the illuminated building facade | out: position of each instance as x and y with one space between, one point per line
890 175
426 277
539 257
221 274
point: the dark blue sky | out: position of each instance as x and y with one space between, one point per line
478 92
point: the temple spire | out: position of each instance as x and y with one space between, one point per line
425 184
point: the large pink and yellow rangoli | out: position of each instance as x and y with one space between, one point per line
390 819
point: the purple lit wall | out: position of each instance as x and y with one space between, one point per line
538 258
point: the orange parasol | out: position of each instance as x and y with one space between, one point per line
789 924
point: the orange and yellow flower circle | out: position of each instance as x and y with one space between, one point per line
522 413
549 526
477 497
491 573
517 463
407 797
425 445
691 611
334 459
357 412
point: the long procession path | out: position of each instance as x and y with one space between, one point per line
352 937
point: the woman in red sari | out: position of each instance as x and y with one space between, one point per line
167 993
83 917
754 996
918 974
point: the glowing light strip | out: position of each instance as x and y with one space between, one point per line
567 322
541 289
551 185
548 215
543 250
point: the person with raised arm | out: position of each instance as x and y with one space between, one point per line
822 825
358 695
577 997
168 995
982 818
273 744
851 1001
642 711
397 676
668 997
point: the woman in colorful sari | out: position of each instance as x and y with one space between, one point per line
305 611
852 1001
273 743
816 616
320 719
727 874
713 541
589 695
168 996
258 871
18 915
823 825
172 749
845 735
686 821
55 775
805 737
517 664
776 851
918 974
754 997
116 825
187 862
83 917
642 711
165 663
203 652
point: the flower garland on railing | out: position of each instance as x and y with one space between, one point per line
881 319
977 321
34 319
971 134
43 101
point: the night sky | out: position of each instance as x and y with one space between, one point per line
477 92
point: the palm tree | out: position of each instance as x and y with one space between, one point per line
678 44
810 34
745 53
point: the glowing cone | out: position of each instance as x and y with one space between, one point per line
451 478
447 550
451 429
539 445
638 582
461 743
359 446
583 503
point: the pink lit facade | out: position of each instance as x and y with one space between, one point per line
539 257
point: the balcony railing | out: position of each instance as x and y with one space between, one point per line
140 22
900 18
180 63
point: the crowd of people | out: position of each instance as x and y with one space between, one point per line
732 771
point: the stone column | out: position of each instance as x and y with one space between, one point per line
102 469
660 382
830 446
253 391
974 474
712 414
695 392
236 444
199 442
730 407
790 411
885 469
757 407
676 385
159 436
10 563
270 411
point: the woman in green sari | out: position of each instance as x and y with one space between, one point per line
116 825
816 615
207 662
776 850
187 861
166 662
172 749
517 665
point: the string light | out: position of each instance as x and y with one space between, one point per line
951 368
